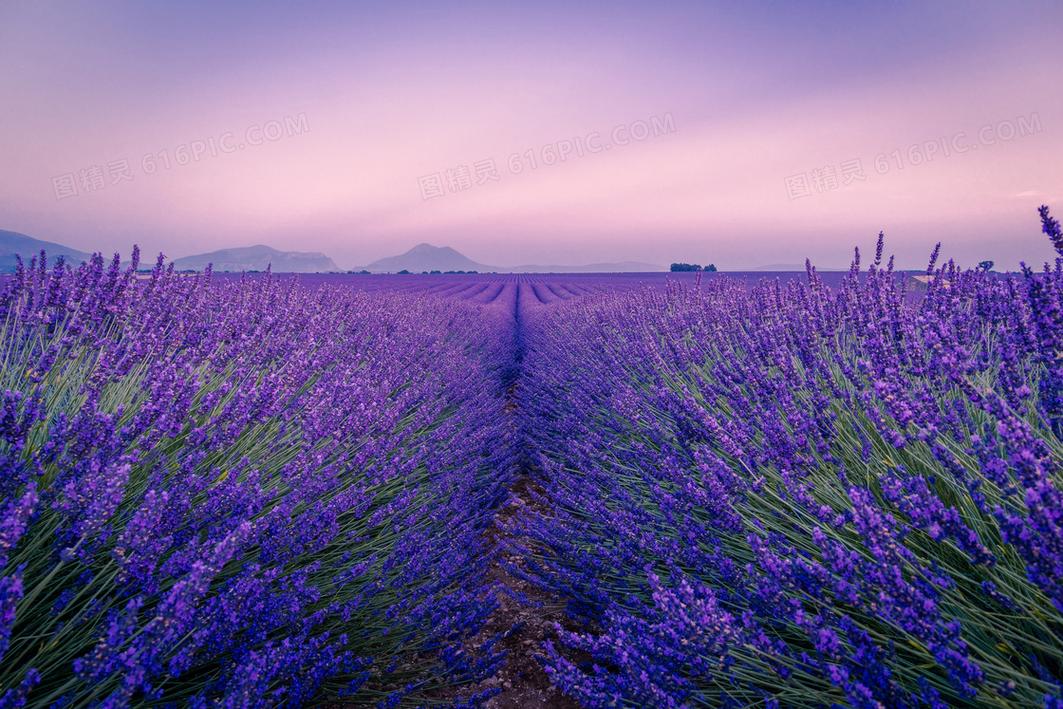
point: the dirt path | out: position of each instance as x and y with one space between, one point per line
526 624
521 678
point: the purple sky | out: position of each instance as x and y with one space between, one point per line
699 132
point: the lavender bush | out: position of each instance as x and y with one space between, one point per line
241 491
796 495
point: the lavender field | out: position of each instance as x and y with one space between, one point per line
633 490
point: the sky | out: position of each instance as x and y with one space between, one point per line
743 134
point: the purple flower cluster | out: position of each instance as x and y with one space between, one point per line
245 491
796 494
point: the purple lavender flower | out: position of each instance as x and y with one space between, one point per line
1050 227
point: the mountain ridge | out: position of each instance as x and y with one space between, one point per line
257 258
14 243
428 257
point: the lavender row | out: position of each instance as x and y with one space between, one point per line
243 491
794 494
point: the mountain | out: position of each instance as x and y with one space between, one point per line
14 244
257 258
425 257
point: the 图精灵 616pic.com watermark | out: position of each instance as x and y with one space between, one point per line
827 178
465 176
114 172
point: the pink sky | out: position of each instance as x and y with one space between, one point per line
783 133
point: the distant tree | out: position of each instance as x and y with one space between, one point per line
436 272
685 267
711 268
404 272
985 266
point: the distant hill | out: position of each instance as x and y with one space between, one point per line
14 244
426 257
258 258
